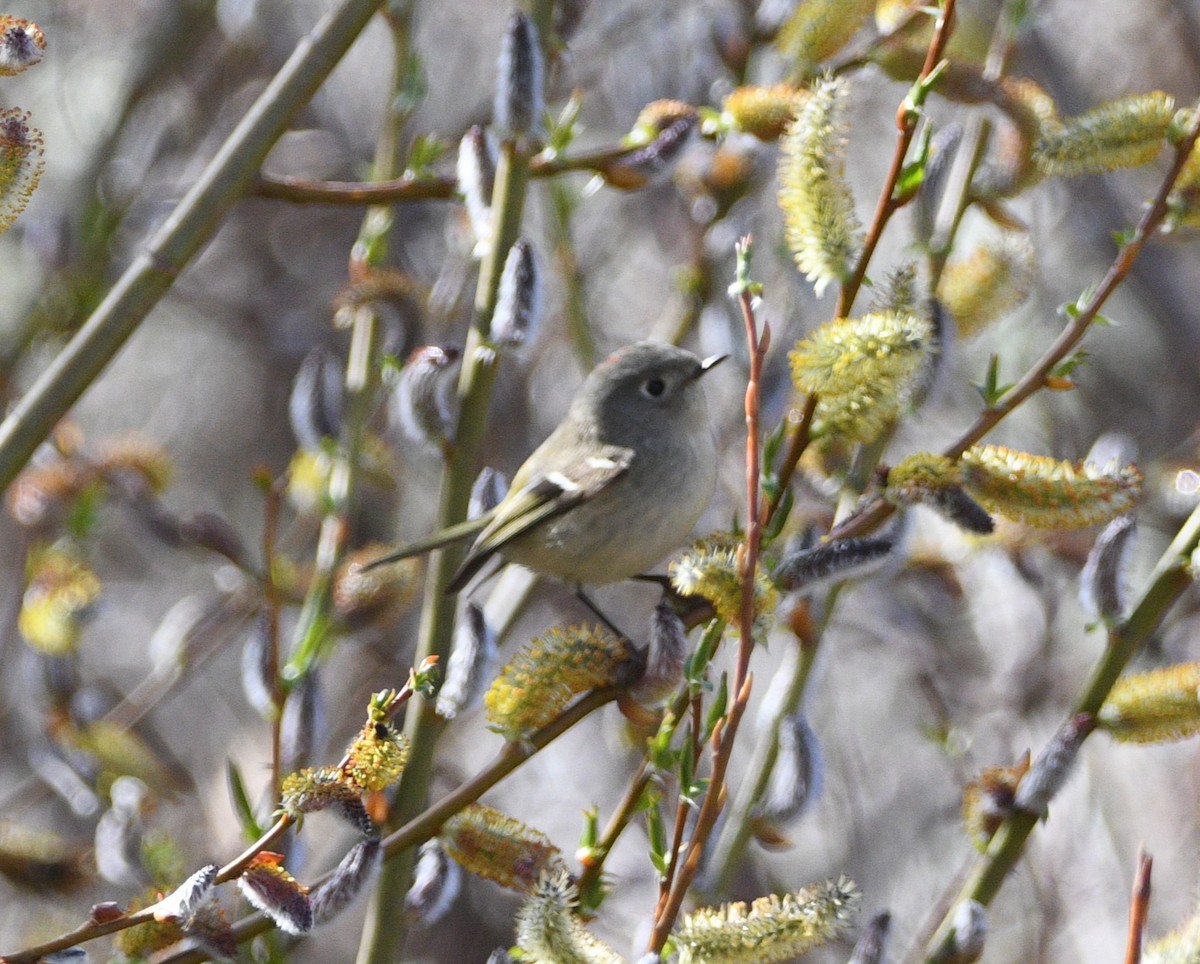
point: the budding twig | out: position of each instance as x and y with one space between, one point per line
1139 907
906 122
1082 320
724 735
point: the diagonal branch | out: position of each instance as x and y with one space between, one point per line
190 226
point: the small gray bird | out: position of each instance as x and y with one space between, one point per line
618 484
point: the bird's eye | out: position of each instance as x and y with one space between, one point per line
654 387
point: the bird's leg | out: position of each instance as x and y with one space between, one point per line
583 598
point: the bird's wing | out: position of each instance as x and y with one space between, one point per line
540 497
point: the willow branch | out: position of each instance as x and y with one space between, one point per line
413 187
906 123
383 936
426 824
1139 908
1081 321
1170 579
726 732
189 227
93 929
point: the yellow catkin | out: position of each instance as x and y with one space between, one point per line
1183 205
818 29
994 279
1122 133
313 789
822 231
139 456
22 44
1045 492
60 592
549 929
1155 707
770 929
140 942
377 756
762 111
989 798
710 569
918 474
361 595
498 847
863 371
656 117
890 14
1035 98
1181 946
549 672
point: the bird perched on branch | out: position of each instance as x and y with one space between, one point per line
616 486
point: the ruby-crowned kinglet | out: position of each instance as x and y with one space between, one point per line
616 487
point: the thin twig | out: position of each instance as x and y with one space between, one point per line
906 123
411 187
93 929
1034 379
627 808
426 824
725 732
1139 907
1170 579
190 226
274 605
617 822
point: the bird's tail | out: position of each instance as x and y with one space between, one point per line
443 537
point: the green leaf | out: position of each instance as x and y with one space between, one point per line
658 748
85 510
564 129
713 122
687 764
1067 367
990 390
413 86
779 520
912 176
773 443
426 150
716 711
743 283
591 827
696 667
656 831
242 807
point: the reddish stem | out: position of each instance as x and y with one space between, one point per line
1139 907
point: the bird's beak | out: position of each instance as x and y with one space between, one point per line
711 362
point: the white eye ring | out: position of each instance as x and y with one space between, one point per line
654 387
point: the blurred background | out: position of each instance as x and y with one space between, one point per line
961 658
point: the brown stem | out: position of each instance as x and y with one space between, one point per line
1139 907
414 832
797 442
1070 336
724 735
303 190
889 202
617 823
877 510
